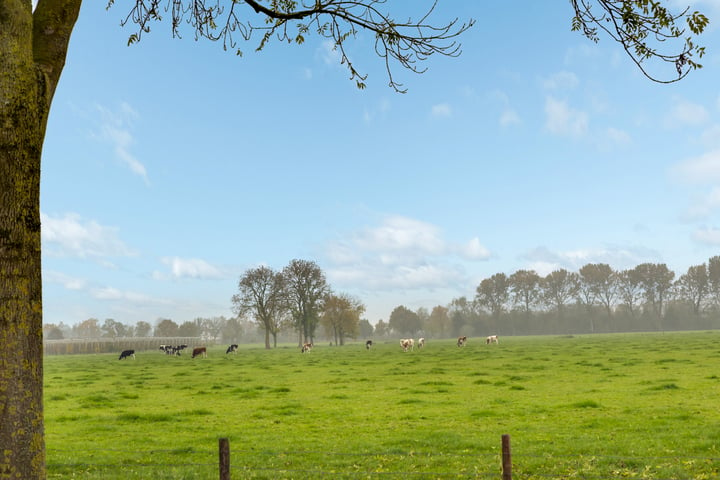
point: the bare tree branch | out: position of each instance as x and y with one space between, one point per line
407 43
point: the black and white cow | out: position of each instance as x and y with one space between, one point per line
127 354
368 344
232 349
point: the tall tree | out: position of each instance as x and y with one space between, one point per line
143 329
630 289
559 287
439 322
656 280
404 321
598 284
493 293
305 286
261 294
525 289
692 287
166 328
714 280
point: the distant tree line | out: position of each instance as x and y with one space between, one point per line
594 299
290 305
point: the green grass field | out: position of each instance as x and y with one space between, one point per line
605 406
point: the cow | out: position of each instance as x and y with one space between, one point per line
232 349
461 341
368 344
199 351
407 343
491 339
421 342
127 354
306 347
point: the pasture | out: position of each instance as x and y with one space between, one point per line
603 406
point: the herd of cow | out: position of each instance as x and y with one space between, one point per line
405 343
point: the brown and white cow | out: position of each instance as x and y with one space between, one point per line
421 342
199 351
407 344
461 341
306 347
491 339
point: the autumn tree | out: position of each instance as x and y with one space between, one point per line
341 316
261 295
89 328
305 287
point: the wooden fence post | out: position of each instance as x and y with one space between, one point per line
224 459
506 458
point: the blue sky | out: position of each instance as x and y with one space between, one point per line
171 167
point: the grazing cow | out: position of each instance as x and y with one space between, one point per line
232 349
127 354
421 342
199 351
368 344
306 347
461 341
491 339
407 343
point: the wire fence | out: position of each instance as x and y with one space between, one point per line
246 463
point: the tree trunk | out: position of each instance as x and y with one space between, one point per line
32 56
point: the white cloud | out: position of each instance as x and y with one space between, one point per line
400 253
68 282
509 117
561 81
110 293
474 250
699 170
544 260
704 206
190 268
563 120
116 129
441 110
686 113
617 137
707 236
71 235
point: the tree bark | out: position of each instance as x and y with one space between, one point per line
32 56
